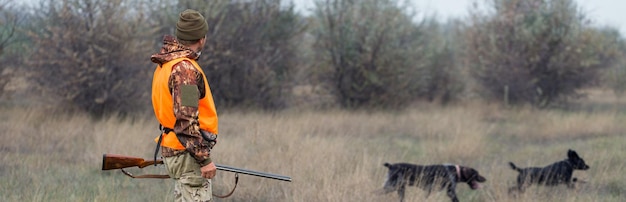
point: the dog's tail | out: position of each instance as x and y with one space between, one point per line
515 167
387 165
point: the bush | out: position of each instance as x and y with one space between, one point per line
10 36
535 51
372 52
93 54
616 76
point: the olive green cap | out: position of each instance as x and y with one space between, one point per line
191 26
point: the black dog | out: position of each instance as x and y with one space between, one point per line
552 175
429 178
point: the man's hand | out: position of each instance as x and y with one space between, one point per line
209 170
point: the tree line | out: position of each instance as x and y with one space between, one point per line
93 55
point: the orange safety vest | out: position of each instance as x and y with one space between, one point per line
163 104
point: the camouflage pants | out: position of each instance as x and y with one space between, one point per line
190 186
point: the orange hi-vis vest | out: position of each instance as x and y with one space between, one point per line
163 104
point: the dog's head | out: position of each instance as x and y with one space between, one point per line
471 177
577 162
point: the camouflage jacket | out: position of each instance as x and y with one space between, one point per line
187 126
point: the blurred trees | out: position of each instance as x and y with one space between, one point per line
250 52
93 55
374 52
442 76
535 51
10 35
616 75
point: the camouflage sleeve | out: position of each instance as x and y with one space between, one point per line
187 87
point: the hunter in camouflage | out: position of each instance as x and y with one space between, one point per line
184 106
184 74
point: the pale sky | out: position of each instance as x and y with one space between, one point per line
600 12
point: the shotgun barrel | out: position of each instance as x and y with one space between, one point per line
253 173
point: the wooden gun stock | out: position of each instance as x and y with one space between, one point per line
115 161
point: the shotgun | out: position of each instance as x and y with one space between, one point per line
115 161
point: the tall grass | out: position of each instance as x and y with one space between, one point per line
331 155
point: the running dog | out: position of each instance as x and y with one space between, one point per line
551 175
429 178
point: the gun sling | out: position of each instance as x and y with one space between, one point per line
167 176
165 130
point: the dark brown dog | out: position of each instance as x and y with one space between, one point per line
429 178
551 175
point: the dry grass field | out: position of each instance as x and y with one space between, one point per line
331 155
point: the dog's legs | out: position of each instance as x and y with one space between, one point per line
512 191
428 193
429 190
401 192
520 188
452 194
523 181
517 188
571 184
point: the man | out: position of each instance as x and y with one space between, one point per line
183 105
